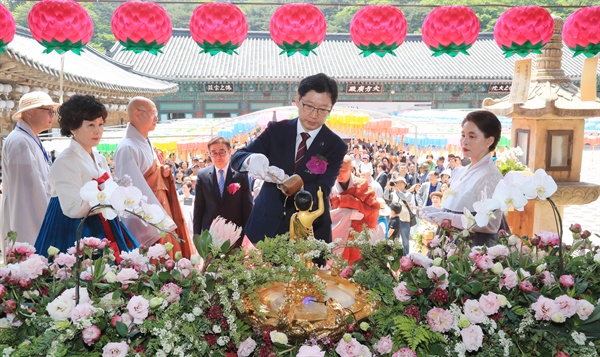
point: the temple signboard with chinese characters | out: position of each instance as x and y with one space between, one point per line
499 88
218 87
362 88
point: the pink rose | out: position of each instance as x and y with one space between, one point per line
94 243
82 311
115 319
90 335
567 281
246 347
544 308
309 351
485 262
439 276
421 260
346 273
489 304
548 238
526 286
402 293
317 165
127 276
405 352
352 349
584 309
67 260
567 305
157 251
406 264
499 250
172 292
509 279
547 278
440 320
34 266
384 345
2 291
473 312
114 349
184 266
472 337
138 308
233 188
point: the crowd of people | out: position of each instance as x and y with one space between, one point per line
364 184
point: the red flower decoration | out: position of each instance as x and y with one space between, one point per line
451 30
218 27
141 26
581 31
233 188
317 165
7 27
298 28
60 25
378 29
523 29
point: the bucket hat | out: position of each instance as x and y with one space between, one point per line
34 100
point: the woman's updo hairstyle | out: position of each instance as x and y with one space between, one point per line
488 123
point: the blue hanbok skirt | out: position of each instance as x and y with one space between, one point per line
59 231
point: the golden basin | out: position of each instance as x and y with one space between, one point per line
300 311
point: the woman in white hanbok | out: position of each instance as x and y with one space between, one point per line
480 134
81 117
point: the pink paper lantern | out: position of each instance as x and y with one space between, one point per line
218 27
60 25
141 26
298 28
523 29
450 30
378 29
581 31
7 27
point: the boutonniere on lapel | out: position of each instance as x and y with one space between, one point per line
233 188
317 165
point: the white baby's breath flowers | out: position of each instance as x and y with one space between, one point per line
579 338
223 340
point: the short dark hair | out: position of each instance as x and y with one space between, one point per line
78 108
383 166
396 208
488 123
320 83
218 140
303 200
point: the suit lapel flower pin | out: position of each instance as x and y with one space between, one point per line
317 165
233 188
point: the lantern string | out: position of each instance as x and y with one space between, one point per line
328 4
62 76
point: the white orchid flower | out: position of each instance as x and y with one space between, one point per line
509 196
467 219
486 209
152 213
541 185
126 198
95 195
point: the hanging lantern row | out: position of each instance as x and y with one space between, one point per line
64 25
7 27
218 27
450 30
60 25
581 31
378 29
523 30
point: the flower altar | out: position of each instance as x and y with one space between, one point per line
527 296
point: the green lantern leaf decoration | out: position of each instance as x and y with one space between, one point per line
214 48
2 46
451 50
522 50
380 50
297 47
62 47
589 51
141 46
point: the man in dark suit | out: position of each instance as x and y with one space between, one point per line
284 149
382 176
221 191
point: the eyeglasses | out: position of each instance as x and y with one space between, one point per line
50 111
320 111
154 114
218 154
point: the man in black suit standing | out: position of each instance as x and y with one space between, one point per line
303 146
221 191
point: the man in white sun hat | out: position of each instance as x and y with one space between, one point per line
25 166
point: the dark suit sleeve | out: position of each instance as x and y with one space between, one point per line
199 206
261 145
248 199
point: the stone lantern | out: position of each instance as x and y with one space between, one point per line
549 127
